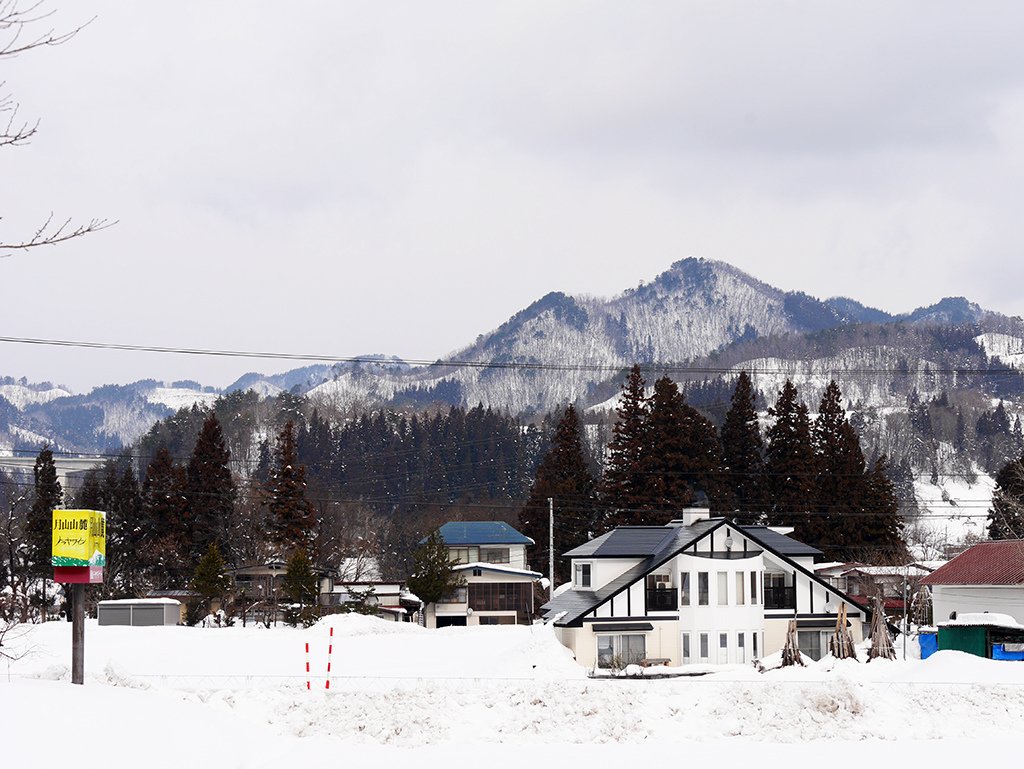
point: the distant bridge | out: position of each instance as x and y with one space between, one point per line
67 467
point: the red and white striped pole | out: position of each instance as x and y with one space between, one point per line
330 648
307 666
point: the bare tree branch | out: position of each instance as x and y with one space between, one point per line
50 235
14 20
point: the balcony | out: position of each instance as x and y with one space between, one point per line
662 599
776 597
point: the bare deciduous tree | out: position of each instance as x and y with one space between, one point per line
23 28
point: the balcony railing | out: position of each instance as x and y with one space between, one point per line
776 597
662 599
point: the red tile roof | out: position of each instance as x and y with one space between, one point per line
987 563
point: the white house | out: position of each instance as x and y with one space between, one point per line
987 577
698 590
498 590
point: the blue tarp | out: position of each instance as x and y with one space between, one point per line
999 653
929 644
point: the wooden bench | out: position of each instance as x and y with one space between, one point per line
648 662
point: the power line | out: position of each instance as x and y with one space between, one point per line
510 365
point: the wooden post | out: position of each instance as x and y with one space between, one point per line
78 634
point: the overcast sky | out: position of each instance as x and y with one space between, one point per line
347 178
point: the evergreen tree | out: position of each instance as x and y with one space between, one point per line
299 583
881 529
790 464
841 486
1006 516
743 454
127 533
433 575
164 510
564 476
703 457
666 460
292 515
209 492
624 488
210 578
47 496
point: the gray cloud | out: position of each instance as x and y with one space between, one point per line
364 177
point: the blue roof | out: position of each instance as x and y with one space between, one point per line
455 533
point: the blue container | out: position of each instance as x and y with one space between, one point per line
999 653
929 644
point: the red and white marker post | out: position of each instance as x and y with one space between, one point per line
330 648
308 686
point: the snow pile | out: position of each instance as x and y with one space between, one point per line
987 619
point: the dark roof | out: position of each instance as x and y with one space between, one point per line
987 563
621 627
626 542
456 533
780 543
574 604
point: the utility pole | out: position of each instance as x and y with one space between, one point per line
551 546
906 623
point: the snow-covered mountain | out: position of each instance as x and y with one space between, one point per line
698 313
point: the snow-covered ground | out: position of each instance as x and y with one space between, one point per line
402 694
956 507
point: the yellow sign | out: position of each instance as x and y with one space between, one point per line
79 538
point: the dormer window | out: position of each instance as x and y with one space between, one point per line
582 575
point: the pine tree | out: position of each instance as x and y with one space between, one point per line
881 529
210 578
209 492
790 464
299 583
703 454
292 515
164 510
665 456
624 488
47 496
433 575
840 487
564 476
127 533
1006 516
743 454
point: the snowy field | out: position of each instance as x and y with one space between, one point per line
402 695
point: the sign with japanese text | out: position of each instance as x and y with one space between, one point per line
79 538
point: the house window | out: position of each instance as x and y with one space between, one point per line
753 588
741 647
809 642
702 588
463 554
684 588
494 555
507 620
617 651
723 648
723 588
583 575
459 595
501 596
686 648
754 634
704 647
740 591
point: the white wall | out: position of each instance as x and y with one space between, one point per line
1001 599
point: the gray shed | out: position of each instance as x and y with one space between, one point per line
140 612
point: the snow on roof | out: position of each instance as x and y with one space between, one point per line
135 601
983 619
988 563
889 571
497 567
931 565
828 565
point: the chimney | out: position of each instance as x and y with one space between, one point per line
693 514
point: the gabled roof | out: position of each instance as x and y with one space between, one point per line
499 568
459 533
626 542
574 604
780 543
988 563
